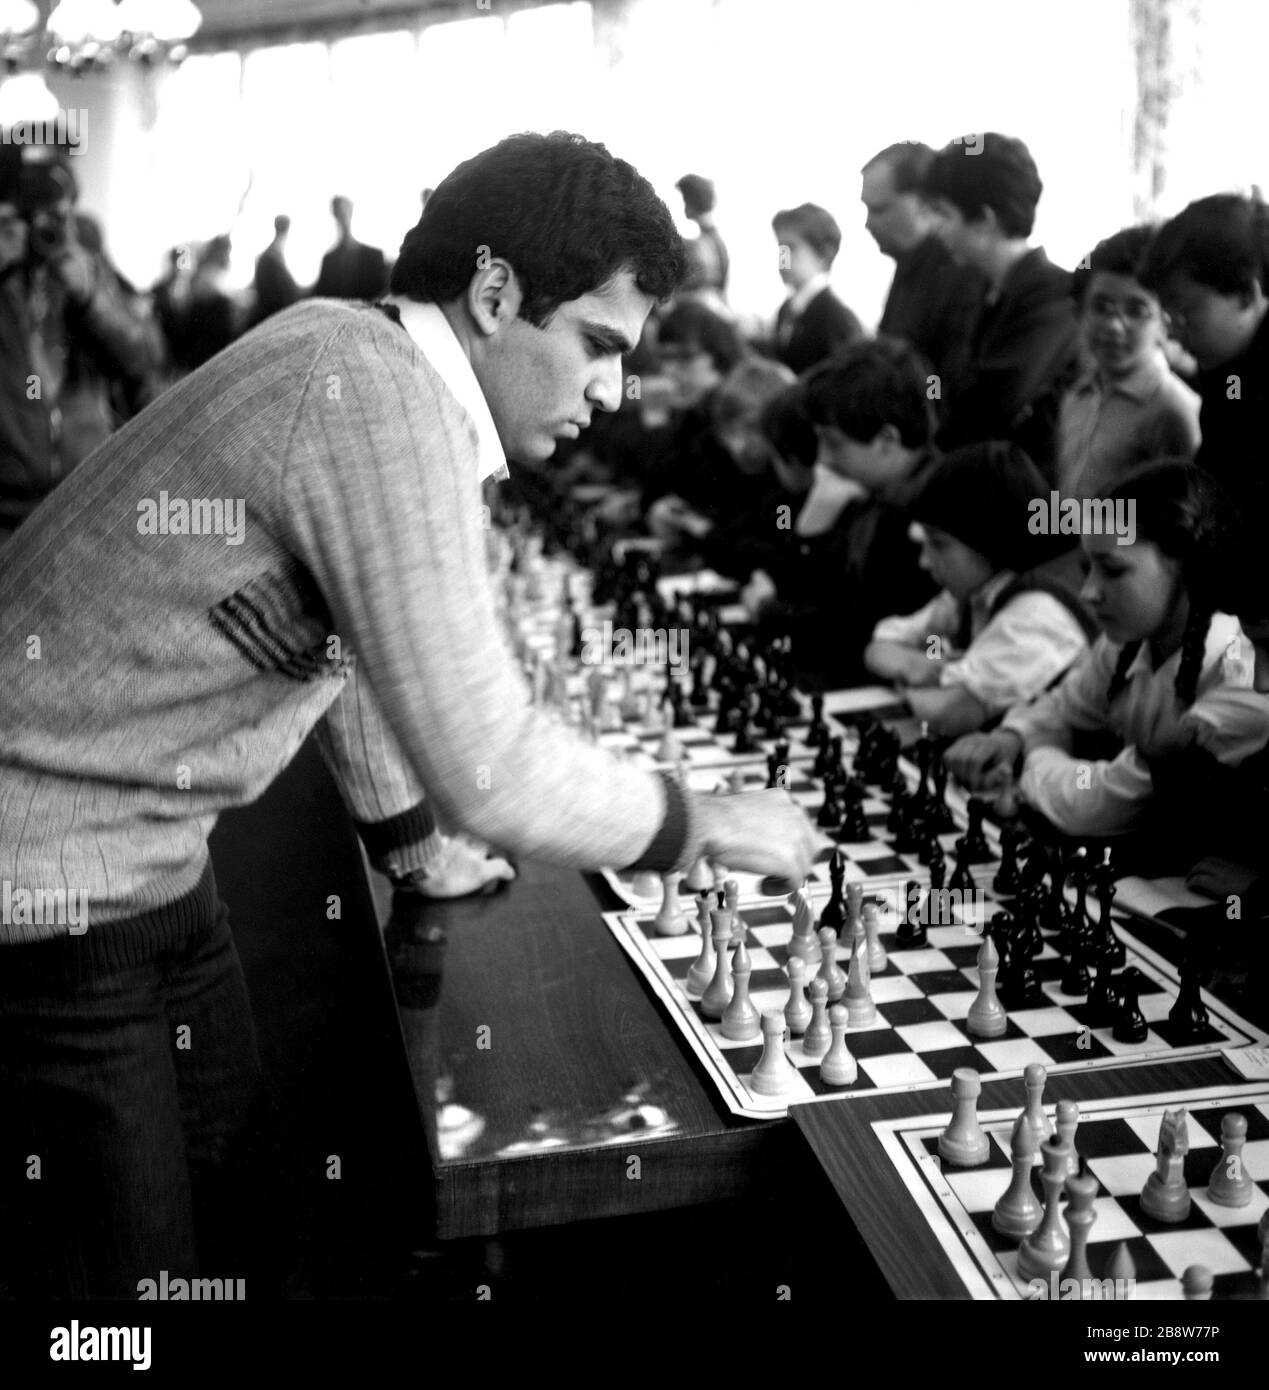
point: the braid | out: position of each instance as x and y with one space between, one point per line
1193 647
1120 677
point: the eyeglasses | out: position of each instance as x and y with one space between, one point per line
1134 313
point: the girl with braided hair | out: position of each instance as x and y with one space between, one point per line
1160 679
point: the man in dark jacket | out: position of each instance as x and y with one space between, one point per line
1025 350
350 270
812 322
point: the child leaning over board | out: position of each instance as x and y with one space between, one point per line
1004 626
1164 675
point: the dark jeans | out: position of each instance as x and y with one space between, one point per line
129 1079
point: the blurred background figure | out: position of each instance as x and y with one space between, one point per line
933 303
215 316
79 353
707 258
274 284
812 322
349 269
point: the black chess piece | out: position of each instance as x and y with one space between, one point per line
817 733
699 698
937 866
1103 996
1109 946
746 738
929 843
898 812
855 825
773 770
1075 976
680 718
835 761
823 760
906 935
962 880
830 813
904 818
942 811
1189 1014
834 914
1008 881
976 846
1130 1026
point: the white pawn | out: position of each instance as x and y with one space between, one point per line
986 1017
831 973
669 750
670 921
1068 1119
774 1073
797 1012
1034 1077
963 1141
838 1067
859 1005
736 781
699 877
804 942
1018 1212
740 1021
1231 1184
872 932
854 910
818 1036
702 969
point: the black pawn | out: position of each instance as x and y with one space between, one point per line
830 816
962 880
1189 1014
975 838
1130 1026
937 866
1008 881
1075 976
817 733
1103 998
906 935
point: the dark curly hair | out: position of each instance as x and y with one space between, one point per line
1180 509
867 385
1120 254
997 173
565 213
1221 242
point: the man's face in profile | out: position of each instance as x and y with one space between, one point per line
544 384
894 220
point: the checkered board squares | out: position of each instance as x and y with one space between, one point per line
1118 1139
710 763
923 997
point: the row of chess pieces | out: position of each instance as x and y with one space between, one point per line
1047 1246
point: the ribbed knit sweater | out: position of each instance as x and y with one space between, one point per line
150 679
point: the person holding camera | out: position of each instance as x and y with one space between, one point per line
73 346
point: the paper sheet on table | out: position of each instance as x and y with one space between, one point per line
1145 897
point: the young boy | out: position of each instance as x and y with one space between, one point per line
812 323
1025 350
1128 407
869 409
998 633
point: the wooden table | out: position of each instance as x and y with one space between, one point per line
570 1032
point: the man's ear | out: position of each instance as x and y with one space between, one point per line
493 297
1251 296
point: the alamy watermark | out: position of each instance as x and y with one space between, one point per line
44 907
640 646
198 516
66 129
1084 516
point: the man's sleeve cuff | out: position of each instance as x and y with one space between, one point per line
403 844
668 846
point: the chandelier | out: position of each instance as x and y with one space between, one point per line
82 35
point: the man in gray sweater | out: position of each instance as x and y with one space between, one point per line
289 538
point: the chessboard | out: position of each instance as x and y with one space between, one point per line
922 998
711 764
1117 1139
